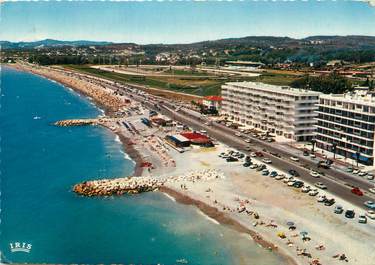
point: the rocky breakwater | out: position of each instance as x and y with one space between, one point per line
78 122
118 186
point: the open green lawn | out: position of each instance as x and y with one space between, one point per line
201 87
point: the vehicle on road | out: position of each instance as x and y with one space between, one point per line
295 159
355 172
238 134
370 204
370 214
312 155
329 202
313 192
253 154
370 176
338 209
314 174
259 154
349 213
357 191
275 154
362 219
293 173
247 141
362 174
267 160
349 169
320 185
372 190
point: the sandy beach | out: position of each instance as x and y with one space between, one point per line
243 199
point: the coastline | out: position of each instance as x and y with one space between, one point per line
226 220
108 111
135 155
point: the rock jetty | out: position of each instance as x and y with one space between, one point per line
78 122
118 186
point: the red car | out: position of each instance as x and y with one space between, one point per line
259 154
357 191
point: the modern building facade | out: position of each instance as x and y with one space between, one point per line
284 111
346 125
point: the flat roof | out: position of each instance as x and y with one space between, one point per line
180 138
360 99
273 88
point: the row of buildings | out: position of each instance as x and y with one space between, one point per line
343 124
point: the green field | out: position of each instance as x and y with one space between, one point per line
203 86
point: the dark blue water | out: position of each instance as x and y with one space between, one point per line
41 162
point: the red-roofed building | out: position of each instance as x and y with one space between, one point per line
197 138
212 102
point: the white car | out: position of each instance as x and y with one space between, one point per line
267 160
321 198
280 177
355 171
370 214
313 192
253 154
295 159
306 189
238 134
286 180
312 155
320 185
372 190
248 141
362 219
315 174
291 183
370 176
362 174
253 166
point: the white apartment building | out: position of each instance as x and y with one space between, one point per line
284 111
346 125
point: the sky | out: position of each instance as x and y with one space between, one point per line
182 21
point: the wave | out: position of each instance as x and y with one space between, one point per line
169 196
207 217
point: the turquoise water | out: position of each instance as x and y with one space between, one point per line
41 162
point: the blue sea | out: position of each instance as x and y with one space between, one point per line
39 165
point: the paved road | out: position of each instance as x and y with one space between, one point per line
333 179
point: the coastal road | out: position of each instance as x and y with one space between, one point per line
338 183
335 186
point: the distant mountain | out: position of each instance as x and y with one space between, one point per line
50 43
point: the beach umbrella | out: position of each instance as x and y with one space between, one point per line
290 223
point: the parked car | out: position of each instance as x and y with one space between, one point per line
357 191
370 214
286 180
349 213
259 154
320 185
362 219
253 154
275 154
306 189
315 174
338 209
321 198
313 192
329 202
312 155
232 159
362 174
265 172
370 204
295 159
372 190
280 177
298 184
274 174
247 164
370 176
356 171
291 183
253 166
248 141
237 134
267 160
349 169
